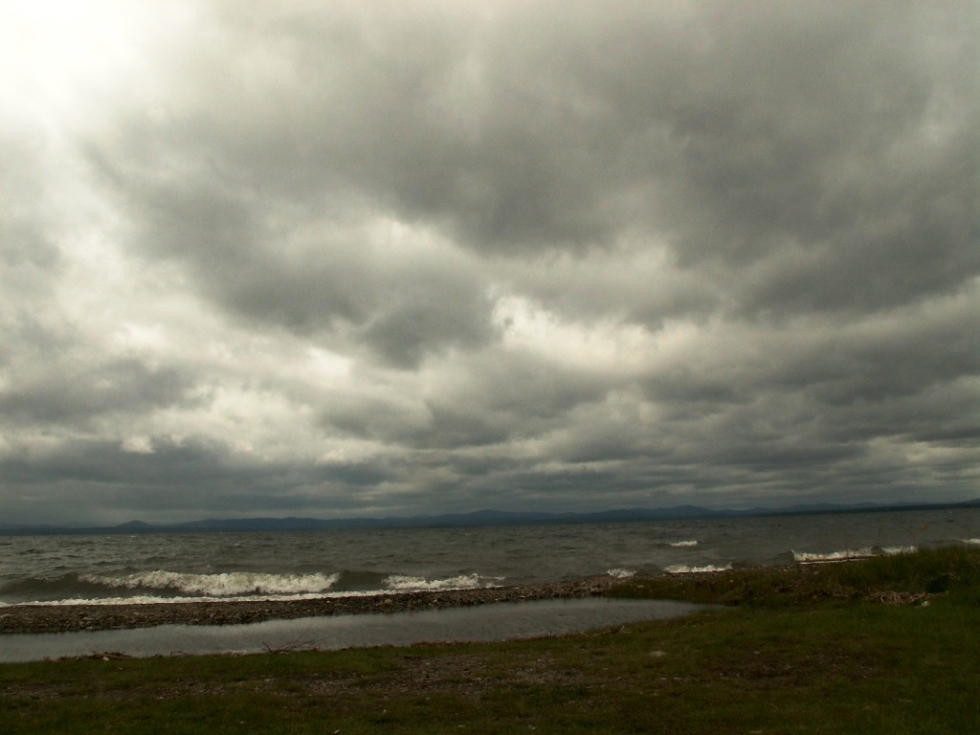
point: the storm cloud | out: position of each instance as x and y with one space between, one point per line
387 258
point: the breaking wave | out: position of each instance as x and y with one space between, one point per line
685 569
893 550
169 600
804 557
851 554
406 583
161 586
226 584
620 573
683 544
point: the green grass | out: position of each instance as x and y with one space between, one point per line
799 651
953 571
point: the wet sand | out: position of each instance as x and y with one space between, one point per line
73 618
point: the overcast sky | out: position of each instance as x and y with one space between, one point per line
371 258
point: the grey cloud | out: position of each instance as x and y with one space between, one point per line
848 133
829 364
63 397
488 398
29 253
25 246
779 202
896 357
175 481
455 426
354 474
427 310
106 463
30 337
305 271
941 414
534 388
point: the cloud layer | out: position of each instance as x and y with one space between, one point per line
373 258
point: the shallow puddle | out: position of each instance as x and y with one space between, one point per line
496 622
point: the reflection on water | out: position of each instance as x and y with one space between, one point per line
485 623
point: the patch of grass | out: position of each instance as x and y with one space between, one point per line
778 662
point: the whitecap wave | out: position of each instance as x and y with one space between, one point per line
683 544
804 557
154 600
893 550
620 573
685 569
224 585
249 587
407 583
971 541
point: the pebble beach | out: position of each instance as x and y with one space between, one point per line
73 618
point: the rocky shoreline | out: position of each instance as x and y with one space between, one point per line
71 618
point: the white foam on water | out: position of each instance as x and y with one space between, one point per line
406 583
893 550
224 585
291 587
682 544
971 541
684 569
154 600
620 573
843 555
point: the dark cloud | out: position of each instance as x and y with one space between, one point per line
273 262
490 399
86 480
831 152
456 255
62 397
29 254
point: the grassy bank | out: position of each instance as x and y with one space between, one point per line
846 648
952 573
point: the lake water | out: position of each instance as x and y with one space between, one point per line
222 566
495 622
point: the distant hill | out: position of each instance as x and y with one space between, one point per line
476 518
134 527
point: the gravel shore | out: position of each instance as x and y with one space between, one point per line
66 618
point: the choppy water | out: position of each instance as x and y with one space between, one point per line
175 567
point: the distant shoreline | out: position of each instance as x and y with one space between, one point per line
72 618
476 519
